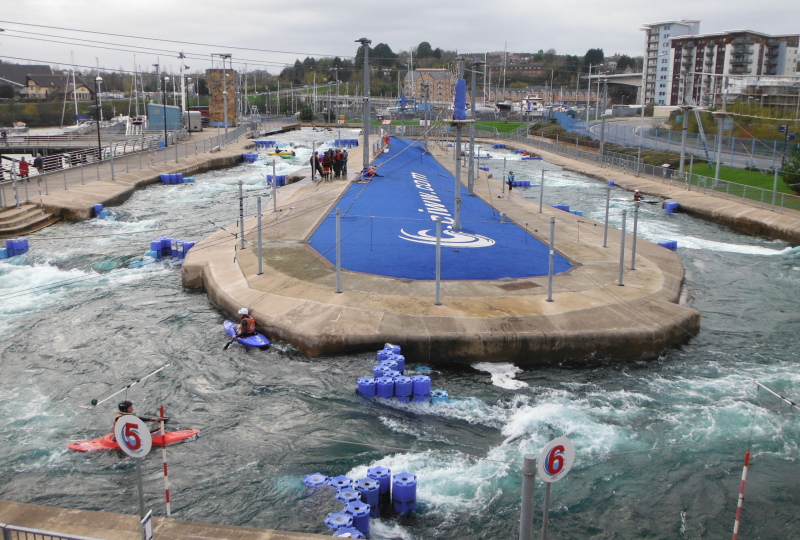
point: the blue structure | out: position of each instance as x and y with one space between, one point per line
155 117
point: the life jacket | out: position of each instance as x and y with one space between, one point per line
326 159
248 325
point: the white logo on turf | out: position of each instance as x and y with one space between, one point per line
456 238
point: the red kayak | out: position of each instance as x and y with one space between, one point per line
108 442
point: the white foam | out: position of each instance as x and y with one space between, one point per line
503 375
691 242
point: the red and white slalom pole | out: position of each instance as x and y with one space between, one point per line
741 496
164 457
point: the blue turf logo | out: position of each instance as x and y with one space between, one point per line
434 207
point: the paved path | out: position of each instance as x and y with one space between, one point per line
110 526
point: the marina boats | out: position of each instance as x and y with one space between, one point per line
532 105
16 127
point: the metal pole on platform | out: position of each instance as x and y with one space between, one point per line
622 249
139 485
314 161
526 509
260 245
608 203
241 213
546 511
635 227
365 44
457 189
541 192
274 189
438 220
552 257
338 250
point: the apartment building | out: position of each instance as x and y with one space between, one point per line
704 67
657 72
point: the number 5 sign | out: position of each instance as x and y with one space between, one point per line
556 459
133 436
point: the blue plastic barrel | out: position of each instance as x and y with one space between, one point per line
338 520
611 183
400 360
383 354
577 212
421 385
404 491
348 532
403 386
499 145
439 396
378 371
393 348
367 386
383 476
420 399
186 247
404 508
348 495
370 490
104 214
385 387
670 207
316 479
360 512
153 254
389 364
97 209
155 245
164 178
669 244
340 482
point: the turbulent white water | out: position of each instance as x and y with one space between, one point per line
659 444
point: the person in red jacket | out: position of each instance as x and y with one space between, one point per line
24 168
247 325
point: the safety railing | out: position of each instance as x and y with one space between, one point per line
79 167
14 532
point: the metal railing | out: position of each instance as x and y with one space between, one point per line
83 166
14 532
762 198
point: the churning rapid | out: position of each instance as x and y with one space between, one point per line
660 444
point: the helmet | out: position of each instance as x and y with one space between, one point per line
244 311
123 405
637 191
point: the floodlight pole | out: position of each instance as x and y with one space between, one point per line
365 43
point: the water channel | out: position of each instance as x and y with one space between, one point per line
660 443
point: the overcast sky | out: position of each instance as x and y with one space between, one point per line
280 32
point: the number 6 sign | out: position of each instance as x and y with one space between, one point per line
133 436
556 459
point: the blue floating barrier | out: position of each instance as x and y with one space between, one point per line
155 246
389 364
186 247
385 387
391 373
577 212
439 396
379 371
394 348
670 207
315 480
403 399
370 490
484 169
383 476
188 180
404 508
420 398
153 254
3 253
348 532
404 487
669 244
348 495
421 385
400 360
338 520
360 512
367 386
97 209
104 214
340 482
383 354
564 207
611 183
499 145
403 386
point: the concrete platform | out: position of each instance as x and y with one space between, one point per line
109 526
294 300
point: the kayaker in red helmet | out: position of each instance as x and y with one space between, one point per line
247 324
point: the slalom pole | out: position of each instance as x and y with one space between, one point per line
95 403
741 496
164 456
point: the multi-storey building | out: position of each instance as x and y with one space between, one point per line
440 83
705 67
657 68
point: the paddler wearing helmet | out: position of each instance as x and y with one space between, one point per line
126 407
247 324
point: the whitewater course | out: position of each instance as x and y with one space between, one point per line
648 366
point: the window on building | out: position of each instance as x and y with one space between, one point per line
666 27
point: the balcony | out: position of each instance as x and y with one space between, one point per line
742 49
741 61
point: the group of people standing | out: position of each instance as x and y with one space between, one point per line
332 163
24 167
